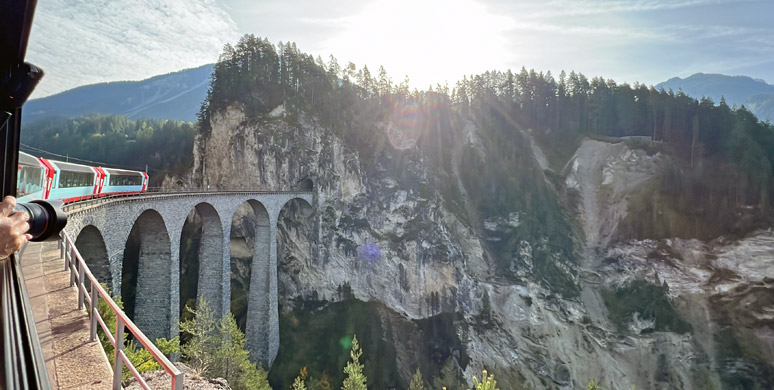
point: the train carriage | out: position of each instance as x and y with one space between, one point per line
124 182
72 182
32 179
40 178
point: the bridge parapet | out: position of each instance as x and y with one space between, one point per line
151 195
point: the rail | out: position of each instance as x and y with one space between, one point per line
79 274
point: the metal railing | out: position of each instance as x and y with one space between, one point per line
79 274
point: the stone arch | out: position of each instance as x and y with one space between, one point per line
91 246
285 219
202 233
253 219
146 275
298 205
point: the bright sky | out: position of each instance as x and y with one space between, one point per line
81 42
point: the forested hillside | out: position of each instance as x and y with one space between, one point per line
163 146
726 155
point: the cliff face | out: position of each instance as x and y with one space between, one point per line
422 247
399 230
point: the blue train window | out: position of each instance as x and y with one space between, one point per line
125 180
75 179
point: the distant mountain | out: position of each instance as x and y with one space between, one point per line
762 106
755 94
175 96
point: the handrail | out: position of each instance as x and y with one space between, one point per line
79 273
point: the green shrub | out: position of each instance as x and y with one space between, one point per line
487 382
140 358
217 349
649 300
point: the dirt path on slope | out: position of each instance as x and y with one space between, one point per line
587 166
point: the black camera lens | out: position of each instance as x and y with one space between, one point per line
46 218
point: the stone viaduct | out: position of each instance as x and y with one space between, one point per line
101 229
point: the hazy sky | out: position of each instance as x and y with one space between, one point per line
81 42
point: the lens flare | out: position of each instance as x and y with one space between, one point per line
345 342
370 252
403 129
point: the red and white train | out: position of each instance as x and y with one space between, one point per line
40 178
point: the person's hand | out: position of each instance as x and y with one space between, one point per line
13 228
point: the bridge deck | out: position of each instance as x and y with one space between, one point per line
72 361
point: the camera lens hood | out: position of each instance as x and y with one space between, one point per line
46 218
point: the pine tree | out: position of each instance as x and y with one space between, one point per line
592 385
489 383
385 84
197 352
217 349
299 384
416 381
228 355
355 379
323 383
449 377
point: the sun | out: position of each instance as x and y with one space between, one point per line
431 41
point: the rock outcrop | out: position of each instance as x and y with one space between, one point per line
384 228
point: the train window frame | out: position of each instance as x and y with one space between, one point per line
70 179
125 180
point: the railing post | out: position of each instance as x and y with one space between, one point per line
80 283
72 273
65 254
94 312
177 381
118 364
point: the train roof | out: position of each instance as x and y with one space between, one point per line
29 160
70 167
114 171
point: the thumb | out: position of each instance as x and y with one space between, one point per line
7 206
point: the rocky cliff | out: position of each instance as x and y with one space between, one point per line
399 227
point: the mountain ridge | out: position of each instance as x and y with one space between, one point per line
755 94
174 96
